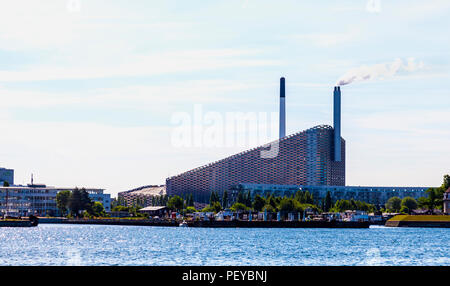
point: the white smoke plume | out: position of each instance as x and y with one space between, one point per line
379 71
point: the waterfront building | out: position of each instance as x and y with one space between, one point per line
313 159
142 196
6 175
369 194
304 158
41 199
315 156
160 211
447 202
98 195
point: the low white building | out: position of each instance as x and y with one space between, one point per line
98 195
41 199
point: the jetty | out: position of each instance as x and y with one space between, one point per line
212 223
105 221
279 224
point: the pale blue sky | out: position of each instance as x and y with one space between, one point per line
87 94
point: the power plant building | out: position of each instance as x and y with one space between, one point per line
304 158
313 159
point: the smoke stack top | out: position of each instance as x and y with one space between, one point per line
282 87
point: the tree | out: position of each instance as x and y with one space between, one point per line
62 201
213 198
394 204
175 203
343 205
225 199
309 198
409 203
75 202
446 183
240 198
405 210
422 202
5 184
434 199
328 203
190 202
190 209
299 196
248 199
215 207
120 208
269 208
86 201
272 202
98 210
239 207
287 205
258 203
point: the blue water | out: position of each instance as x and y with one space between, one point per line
54 244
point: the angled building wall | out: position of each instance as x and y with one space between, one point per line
304 158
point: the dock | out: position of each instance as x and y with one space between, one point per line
279 224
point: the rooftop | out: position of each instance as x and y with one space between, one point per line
148 191
151 208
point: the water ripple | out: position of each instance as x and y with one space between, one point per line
135 245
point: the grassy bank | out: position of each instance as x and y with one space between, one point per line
420 218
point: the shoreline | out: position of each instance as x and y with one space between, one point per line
211 224
436 221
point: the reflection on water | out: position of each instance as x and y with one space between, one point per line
139 245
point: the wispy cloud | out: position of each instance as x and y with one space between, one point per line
325 40
163 96
146 65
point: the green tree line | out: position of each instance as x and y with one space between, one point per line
77 203
298 202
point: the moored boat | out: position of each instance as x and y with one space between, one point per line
19 222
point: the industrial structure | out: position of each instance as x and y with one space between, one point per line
313 159
304 158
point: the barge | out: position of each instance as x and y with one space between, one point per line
18 222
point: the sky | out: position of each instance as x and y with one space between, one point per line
90 90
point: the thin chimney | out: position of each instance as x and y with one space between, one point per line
337 123
282 108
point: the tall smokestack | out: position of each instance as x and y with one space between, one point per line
337 123
282 109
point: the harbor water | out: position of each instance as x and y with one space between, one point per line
58 244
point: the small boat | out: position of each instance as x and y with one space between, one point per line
183 224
